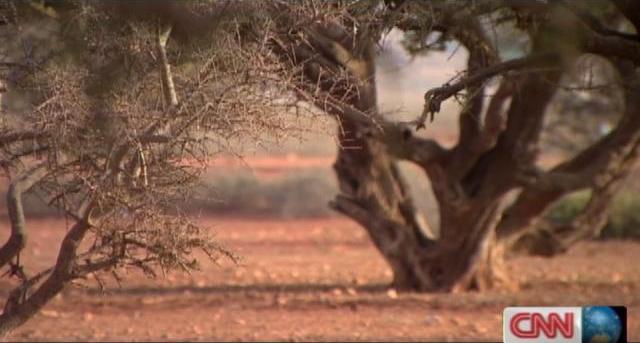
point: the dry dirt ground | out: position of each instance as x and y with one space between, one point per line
314 279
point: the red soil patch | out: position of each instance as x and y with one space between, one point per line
270 166
315 280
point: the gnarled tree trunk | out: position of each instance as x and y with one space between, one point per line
496 151
374 193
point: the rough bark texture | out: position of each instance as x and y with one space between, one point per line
496 152
372 190
18 238
22 304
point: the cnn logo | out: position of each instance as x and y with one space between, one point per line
542 324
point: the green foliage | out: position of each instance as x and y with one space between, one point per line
624 216
624 219
567 208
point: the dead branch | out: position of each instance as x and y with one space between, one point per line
434 97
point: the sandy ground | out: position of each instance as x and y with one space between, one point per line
315 279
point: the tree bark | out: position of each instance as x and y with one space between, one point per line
374 194
372 190
495 154
24 302
466 256
18 238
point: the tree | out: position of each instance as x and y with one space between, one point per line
109 104
111 122
333 47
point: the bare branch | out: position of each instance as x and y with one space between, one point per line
596 166
551 238
95 266
481 54
19 309
434 97
401 142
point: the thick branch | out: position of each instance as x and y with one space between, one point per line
552 238
398 138
18 238
613 46
609 151
22 306
597 39
165 68
593 167
481 55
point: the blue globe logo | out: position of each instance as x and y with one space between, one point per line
600 324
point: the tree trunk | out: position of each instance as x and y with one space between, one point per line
496 152
374 193
469 180
466 256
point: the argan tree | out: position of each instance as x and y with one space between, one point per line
504 103
110 111
108 105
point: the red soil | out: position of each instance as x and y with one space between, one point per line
314 280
